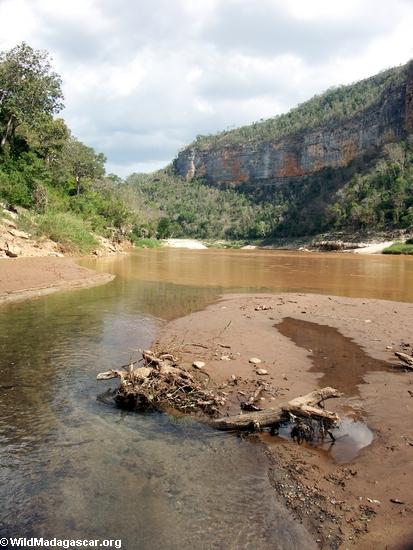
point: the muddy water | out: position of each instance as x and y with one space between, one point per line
341 362
353 275
72 466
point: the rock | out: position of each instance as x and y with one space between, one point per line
261 372
225 358
20 234
12 250
198 364
9 223
255 361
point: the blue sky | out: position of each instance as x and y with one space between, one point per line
142 79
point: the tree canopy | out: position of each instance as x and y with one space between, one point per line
29 89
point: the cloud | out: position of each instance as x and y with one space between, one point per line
142 79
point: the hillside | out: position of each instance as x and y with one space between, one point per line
340 161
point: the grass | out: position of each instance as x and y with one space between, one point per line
400 248
224 244
147 243
69 231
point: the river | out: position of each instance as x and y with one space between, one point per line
73 466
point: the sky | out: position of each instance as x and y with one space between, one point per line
142 79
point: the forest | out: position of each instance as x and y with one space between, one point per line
58 180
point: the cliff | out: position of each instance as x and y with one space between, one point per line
350 123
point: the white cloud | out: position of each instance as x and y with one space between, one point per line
142 79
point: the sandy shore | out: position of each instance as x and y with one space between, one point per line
191 244
363 501
22 278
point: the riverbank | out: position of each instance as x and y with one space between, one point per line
23 278
309 244
362 501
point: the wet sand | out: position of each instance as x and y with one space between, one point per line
306 341
22 278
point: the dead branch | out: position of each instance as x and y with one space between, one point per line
306 406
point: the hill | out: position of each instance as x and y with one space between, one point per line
340 161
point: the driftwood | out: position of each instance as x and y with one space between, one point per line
308 406
407 359
162 385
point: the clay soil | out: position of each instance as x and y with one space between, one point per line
22 278
306 341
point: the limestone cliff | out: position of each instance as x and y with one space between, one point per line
332 144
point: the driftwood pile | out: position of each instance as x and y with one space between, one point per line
160 384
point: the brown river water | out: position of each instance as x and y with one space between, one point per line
73 466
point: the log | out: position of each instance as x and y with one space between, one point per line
308 406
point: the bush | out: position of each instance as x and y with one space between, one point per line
69 231
146 243
400 248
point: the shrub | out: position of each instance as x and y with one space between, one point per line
399 248
71 232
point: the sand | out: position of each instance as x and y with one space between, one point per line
191 244
22 278
344 505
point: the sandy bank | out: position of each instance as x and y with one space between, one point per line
375 248
22 278
366 502
192 244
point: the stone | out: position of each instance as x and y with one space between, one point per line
198 364
262 372
20 234
12 251
225 358
255 360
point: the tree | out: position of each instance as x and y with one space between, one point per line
29 89
47 138
82 162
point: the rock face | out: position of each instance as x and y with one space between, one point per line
307 152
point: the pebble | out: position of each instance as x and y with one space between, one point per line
225 358
255 361
261 371
198 364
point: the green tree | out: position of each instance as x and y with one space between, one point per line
82 162
29 89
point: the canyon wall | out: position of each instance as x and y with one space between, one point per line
307 152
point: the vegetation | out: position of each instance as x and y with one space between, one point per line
400 248
381 198
44 168
176 208
334 105
147 243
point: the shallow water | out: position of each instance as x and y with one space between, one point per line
73 466
341 362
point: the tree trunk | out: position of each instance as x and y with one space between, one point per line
308 406
8 132
77 185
